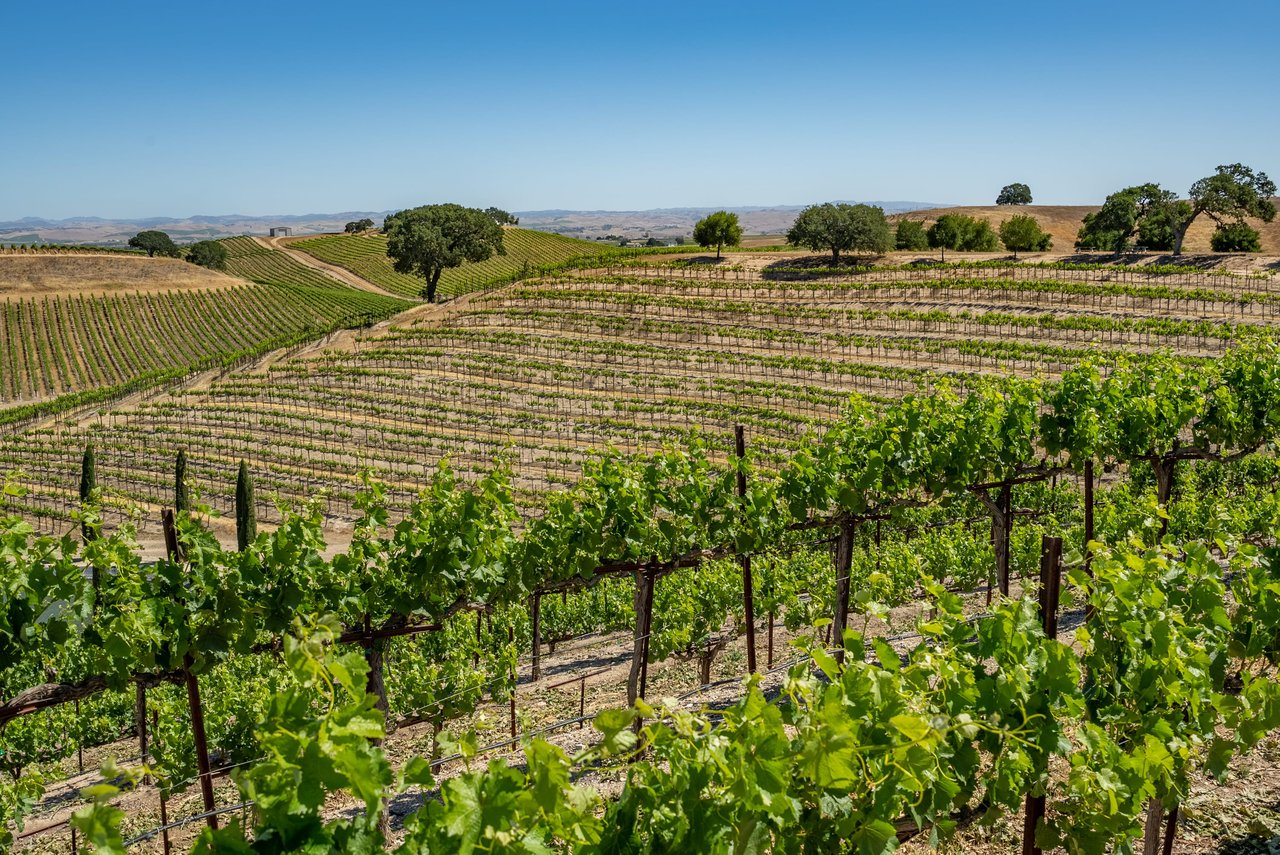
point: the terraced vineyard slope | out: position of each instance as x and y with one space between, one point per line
62 349
551 370
366 256
250 260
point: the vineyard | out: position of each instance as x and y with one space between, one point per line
65 350
553 370
591 490
527 251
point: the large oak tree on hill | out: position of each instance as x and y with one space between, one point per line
1014 194
1111 227
1161 219
1232 193
153 242
427 240
841 227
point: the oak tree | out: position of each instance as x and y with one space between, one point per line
720 229
430 239
841 227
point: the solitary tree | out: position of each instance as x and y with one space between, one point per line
963 234
841 227
1232 193
153 242
720 229
246 513
426 241
356 226
1235 237
1023 234
1014 194
208 253
181 499
502 218
911 235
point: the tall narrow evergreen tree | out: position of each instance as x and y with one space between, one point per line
246 515
181 501
88 483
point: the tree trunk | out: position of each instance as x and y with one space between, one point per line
1154 825
637 644
432 281
835 257
704 666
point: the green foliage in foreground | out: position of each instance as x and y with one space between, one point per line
976 714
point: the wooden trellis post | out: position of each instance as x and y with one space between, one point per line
748 594
844 564
1050 588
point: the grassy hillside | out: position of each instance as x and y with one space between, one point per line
366 256
1064 221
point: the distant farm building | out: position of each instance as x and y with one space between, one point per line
282 231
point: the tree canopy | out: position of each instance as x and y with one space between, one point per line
1161 219
1112 226
208 253
1232 193
1236 237
841 227
501 217
1023 234
962 233
427 240
155 242
1014 194
356 226
911 235
720 229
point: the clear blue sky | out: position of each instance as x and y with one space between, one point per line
133 109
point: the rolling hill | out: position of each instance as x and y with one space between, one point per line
366 256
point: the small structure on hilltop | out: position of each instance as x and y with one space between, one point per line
282 231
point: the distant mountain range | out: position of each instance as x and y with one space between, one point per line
659 222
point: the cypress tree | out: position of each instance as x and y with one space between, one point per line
181 502
246 515
88 483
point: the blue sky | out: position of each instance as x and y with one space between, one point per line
135 109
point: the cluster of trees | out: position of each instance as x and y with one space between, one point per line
206 253
961 233
355 227
1160 219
